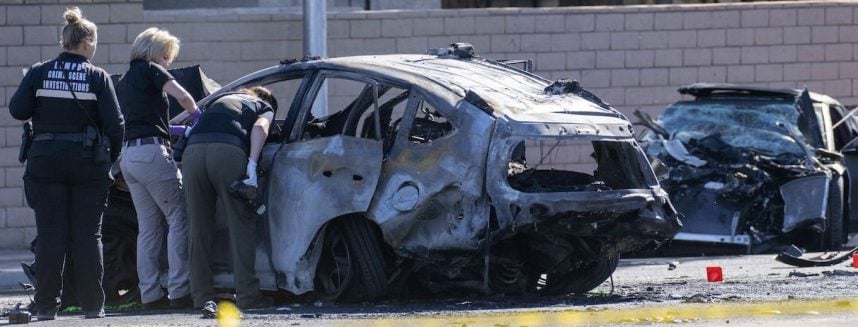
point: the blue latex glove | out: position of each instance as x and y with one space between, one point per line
251 173
177 130
195 116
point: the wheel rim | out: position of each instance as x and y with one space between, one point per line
333 273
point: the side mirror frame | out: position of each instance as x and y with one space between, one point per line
661 171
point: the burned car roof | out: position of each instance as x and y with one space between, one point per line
709 90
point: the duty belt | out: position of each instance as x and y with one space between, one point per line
70 137
146 140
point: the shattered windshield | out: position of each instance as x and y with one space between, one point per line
742 124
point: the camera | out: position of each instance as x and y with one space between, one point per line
249 194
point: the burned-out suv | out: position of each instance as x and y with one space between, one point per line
759 168
429 173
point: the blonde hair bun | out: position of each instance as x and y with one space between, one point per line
73 15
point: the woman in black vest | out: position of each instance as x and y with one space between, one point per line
77 135
147 166
223 148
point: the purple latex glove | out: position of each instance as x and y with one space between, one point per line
195 116
177 130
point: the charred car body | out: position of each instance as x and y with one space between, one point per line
756 167
399 174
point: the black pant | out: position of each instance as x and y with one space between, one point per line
68 192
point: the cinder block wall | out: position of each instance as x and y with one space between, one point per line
634 57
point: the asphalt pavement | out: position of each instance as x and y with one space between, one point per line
10 269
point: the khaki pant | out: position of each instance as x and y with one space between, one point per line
209 169
156 189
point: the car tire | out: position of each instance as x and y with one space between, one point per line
580 280
351 267
119 240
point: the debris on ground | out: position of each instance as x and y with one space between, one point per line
672 265
210 310
801 274
793 256
838 272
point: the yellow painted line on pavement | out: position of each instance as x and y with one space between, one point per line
665 313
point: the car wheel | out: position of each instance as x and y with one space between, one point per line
351 267
580 280
120 253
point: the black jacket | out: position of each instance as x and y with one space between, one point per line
44 97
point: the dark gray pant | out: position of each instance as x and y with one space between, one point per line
208 170
68 193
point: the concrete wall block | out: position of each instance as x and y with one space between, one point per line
596 41
3 15
596 78
13 238
126 12
365 28
263 50
404 27
520 24
113 33
386 45
712 74
654 76
11 196
769 73
415 44
625 77
536 42
41 35
226 51
20 217
270 30
654 40
638 96
683 75
755 55
740 74
581 22
697 20
668 58
668 20
490 24
823 34
121 53
797 72
697 57
23 15
838 52
427 26
810 53
726 18
610 22
565 42
740 36
848 70
838 16
768 36
711 38
581 60
506 43
550 61
23 56
550 24
797 35
12 137
639 21
783 54
821 71
847 34
611 59
811 16
11 35
625 40
459 25
14 176
337 29
782 17
838 88
640 59
755 18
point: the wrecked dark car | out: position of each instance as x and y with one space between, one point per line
756 168
403 174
